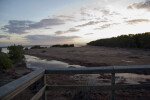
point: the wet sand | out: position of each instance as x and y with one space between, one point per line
91 56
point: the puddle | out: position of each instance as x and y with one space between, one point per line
35 62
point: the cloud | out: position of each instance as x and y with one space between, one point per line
72 30
49 38
141 5
88 33
89 23
4 36
68 31
59 32
135 21
16 26
45 23
106 26
64 16
20 27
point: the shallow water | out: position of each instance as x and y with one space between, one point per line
35 62
5 50
90 79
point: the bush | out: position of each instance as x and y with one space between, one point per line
26 49
16 53
36 47
63 46
5 62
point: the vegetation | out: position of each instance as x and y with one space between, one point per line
37 47
0 49
16 53
141 40
5 62
63 46
26 49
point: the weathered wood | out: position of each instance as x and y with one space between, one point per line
101 87
39 94
11 89
97 70
112 84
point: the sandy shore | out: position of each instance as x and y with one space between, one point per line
91 56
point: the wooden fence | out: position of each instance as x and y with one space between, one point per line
11 89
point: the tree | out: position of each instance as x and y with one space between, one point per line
16 53
125 41
5 62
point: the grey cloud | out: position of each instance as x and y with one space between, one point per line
46 22
135 21
72 30
66 17
88 33
68 31
59 32
4 36
141 5
20 27
105 12
89 23
106 26
63 16
49 38
16 26
48 28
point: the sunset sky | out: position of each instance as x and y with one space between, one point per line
47 22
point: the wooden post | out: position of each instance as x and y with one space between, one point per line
112 84
44 96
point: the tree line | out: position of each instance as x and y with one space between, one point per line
141 40
15 55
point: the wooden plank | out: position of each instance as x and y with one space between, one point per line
11 89
97 70
39 94
101 87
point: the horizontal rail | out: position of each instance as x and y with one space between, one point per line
96 70
11 89
101 87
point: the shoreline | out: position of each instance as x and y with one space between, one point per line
90 56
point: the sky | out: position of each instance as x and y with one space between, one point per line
48 22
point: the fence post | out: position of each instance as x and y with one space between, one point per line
112 84
44 96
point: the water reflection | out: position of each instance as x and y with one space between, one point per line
90 79
35 62
5 50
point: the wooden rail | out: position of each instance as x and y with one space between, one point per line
11 89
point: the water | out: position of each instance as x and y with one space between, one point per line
89 79
35 62
5 50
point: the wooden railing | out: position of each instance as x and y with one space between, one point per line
11 89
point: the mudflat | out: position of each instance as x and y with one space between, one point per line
94 56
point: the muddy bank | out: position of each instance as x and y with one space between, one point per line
94 56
